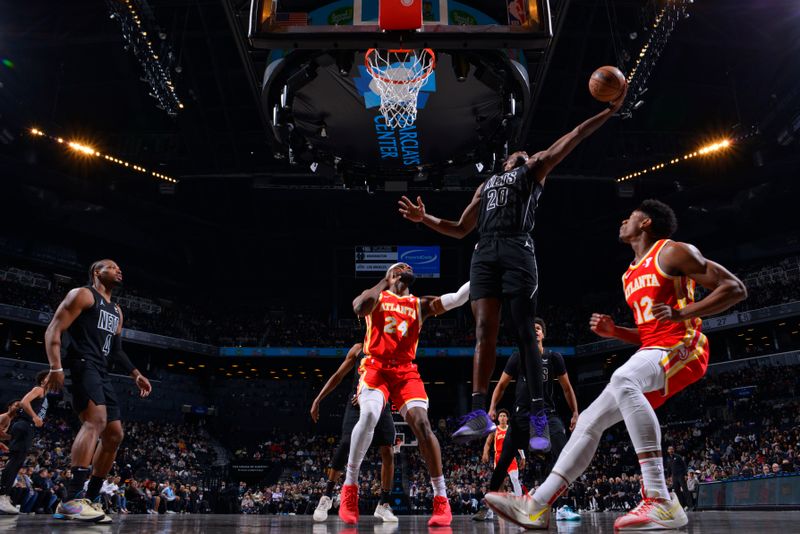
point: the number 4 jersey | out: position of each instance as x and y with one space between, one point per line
393 328
91 335
646 284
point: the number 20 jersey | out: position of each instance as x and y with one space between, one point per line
645 284
393 328
508 203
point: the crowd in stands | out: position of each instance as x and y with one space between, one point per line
159 467
735 424
773 283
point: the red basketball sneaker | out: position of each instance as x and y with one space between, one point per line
348 509
442 516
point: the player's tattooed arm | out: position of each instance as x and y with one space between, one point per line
458 229
542 163
683 259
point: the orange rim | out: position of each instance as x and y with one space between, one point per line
427 72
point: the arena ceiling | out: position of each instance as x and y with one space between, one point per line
727 70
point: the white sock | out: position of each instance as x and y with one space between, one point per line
655 485
514 476
370 402
552 487
439 489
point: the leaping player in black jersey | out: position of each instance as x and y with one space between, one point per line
93 326
383 438
504 267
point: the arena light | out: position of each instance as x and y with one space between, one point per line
639 72
706 150
85 149
137 22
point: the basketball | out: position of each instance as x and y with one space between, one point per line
606 83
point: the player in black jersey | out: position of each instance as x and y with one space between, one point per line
91 325
383 438
504 267
30 415
554 371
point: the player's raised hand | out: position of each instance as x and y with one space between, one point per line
409 210
616 104
665 312
602 325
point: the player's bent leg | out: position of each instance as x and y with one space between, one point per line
534 513
477 424
523 314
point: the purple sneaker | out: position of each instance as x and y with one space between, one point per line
474 425
540 432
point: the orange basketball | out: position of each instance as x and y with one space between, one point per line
606 83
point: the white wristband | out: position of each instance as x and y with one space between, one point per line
59 370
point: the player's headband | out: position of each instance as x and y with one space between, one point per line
396 265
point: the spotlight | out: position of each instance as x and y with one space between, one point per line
313 166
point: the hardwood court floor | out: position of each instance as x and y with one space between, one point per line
699 523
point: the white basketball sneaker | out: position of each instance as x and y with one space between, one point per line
653 514
6 507
384 511
321 512
522 511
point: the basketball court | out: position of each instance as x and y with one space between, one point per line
699 523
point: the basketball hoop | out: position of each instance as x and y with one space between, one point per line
398 75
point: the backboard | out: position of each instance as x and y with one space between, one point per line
353 24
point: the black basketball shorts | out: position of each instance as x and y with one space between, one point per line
86 382
503 266
384 430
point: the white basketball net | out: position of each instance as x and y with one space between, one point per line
398 76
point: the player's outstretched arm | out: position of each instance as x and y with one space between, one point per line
497 394
458 229
335 379
603 325
438 305
726 289
74 303
542 163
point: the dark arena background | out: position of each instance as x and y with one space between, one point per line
232 158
